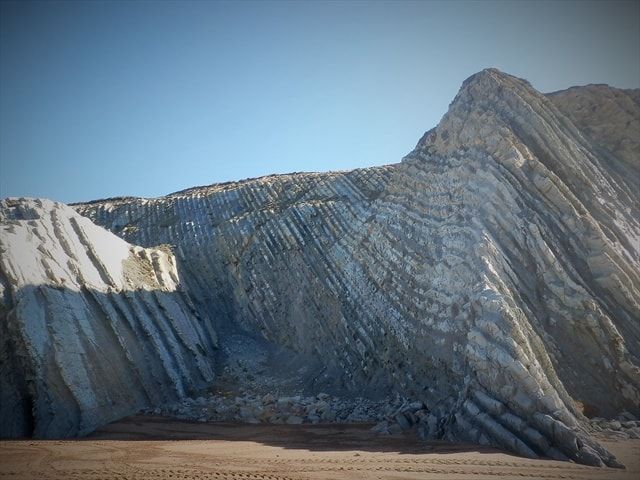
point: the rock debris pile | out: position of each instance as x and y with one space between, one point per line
627 426
390 415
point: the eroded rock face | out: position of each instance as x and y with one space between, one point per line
91 327
494 274
609 116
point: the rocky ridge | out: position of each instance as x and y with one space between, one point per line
493 275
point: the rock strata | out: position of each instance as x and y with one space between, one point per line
493 275
91 327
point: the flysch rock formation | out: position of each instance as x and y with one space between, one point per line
493 274
92 328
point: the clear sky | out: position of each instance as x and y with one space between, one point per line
144 98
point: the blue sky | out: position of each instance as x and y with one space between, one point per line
145 98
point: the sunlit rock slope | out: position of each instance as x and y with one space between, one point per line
91 327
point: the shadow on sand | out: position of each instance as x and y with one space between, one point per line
318 438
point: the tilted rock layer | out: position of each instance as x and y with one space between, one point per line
494 273
92 328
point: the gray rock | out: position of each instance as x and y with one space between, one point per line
615 425
634 432
628 416
246 412
402 420
294 420
429 427
394 429
382 427
413 407
328 416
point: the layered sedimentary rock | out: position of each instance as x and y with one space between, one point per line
91 327
609 116
493 274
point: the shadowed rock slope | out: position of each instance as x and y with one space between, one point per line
91 327
493 274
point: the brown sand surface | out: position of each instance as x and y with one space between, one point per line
154 448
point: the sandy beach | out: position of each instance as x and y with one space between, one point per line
145 447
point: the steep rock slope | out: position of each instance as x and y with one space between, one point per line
494 273
588 224
610 116
610 119
91 327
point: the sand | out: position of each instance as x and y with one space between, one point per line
154 448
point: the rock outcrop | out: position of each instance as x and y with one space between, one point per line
609 116
91 327
493 274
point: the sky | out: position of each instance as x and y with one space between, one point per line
143 98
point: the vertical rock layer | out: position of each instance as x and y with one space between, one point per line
92 328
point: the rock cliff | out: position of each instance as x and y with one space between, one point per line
92 328
493 274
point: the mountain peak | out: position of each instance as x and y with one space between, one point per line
487 103
490 82
491 73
